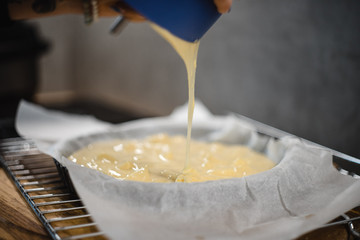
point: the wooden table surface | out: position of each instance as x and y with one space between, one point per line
17 220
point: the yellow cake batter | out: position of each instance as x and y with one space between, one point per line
160 158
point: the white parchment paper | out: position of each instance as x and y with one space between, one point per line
302 192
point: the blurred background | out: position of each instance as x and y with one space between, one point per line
294 65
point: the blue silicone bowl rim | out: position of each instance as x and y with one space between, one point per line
187 19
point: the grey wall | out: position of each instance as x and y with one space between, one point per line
291 64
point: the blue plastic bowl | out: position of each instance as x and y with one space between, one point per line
187 19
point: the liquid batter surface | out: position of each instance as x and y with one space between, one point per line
160 158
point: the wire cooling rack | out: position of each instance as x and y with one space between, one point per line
48 190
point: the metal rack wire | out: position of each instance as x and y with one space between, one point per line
49 192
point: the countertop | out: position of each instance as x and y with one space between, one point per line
17 220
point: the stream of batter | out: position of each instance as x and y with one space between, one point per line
188 51
163 158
